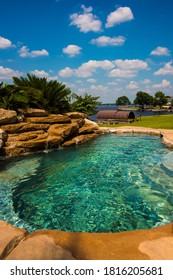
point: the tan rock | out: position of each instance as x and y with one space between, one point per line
158 249
79 122
25 136
40 247
50 119
76 115
110 246
33 140
88 127
80 139
63 130
9 238
3 137
32 112
24 127
41 142
13 151
7 116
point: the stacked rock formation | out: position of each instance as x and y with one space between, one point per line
34 130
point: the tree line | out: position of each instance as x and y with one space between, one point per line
145 99
53 96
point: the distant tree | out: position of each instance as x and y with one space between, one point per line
143 98
85 104
123 100
160 99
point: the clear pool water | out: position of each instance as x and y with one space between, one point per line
113 183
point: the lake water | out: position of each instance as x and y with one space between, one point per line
137 113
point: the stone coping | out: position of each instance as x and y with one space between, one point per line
165 134
151 244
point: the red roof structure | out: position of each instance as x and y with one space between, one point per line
115 115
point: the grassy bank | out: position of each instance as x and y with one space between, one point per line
162 121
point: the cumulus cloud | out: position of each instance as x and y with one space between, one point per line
166 70
99 88
8 73
146 81
132 85
25 52
131 64
160 51
66 72
127 68
121 73
120 15
40 73
72 50
5 43
88 68
164 84
86 21
86 10
91 80
118 68
104 41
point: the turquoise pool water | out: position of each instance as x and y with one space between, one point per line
113 183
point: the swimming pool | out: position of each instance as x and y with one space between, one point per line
113 183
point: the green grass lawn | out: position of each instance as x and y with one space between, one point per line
162 121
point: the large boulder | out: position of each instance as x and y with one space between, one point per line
76 115
24 127
80 139
3 137
7 116
88 127
29 142
9 238
50 119
32 112
63 130
40 247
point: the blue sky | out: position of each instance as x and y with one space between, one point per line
108 48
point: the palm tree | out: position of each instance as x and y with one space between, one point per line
52 96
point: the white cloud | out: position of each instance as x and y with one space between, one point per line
66 72
87 69
99 88
121 73
132 85
146 81
131 64
164 84
161 51
127 68
120 15
87 21
91 80
40 73
7 73
166 70
25 52
103 41
86 10
72 50
5 43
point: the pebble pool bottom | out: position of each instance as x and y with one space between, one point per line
113 183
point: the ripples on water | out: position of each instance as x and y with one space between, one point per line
113 183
